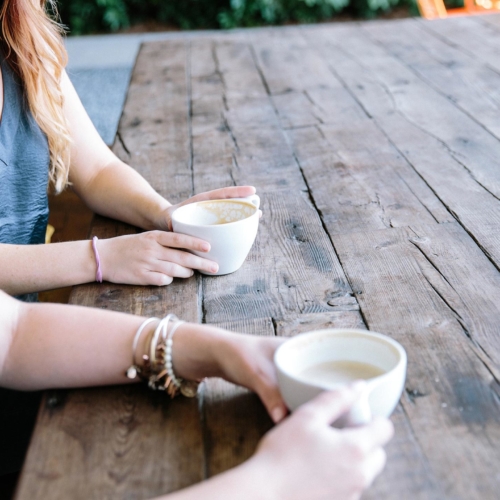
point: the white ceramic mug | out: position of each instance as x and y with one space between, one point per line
300 353
230 226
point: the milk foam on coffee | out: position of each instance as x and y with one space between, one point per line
211 213
336 372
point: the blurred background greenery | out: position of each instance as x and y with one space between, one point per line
103 16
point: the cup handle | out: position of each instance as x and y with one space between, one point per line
254 200
360 413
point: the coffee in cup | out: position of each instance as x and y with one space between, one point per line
328 359
229 225
332 373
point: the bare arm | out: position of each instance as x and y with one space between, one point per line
152 258
49 345
80 346
107 185
34 268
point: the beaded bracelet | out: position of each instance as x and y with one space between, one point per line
157 367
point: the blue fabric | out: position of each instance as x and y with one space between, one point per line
24 211
24 168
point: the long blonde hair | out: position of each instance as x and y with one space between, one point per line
33 46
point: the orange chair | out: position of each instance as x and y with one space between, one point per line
435 9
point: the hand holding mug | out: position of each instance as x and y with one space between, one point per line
153 258
304 457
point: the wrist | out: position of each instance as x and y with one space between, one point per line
159 215
197 351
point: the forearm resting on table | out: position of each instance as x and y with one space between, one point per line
119 192
54 345
34 268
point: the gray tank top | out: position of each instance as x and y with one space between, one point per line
24 169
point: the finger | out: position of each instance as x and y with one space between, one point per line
373 435
158 279
270 396
188 260
172 269
178 240
330 405
374 465
222 194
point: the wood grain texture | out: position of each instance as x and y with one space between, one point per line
452 401
477 37
112 443
454 155
465 80
237 137
349 317
363 183
304 273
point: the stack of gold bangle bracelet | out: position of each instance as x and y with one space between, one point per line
156 368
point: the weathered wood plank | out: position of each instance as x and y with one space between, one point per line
236 133
301 323
112 443
385 87
476 37
154 127
363 183
465 80
454 155
316 106
467 282
452 402
290 65
357 179
303 272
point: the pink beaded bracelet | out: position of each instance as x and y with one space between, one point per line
98 274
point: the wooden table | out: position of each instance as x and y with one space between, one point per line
375 149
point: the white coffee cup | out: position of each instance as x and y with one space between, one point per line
298 358
230 226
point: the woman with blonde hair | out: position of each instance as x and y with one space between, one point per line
47 138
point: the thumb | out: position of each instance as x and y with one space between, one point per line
330 405
271 398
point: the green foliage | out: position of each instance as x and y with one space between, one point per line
91 16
